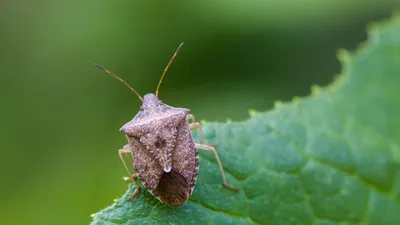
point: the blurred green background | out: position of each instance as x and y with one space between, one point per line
60 115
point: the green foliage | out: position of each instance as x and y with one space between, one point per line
331 158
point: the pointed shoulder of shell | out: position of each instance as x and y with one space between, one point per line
154 119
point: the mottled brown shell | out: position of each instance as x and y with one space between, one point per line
164 154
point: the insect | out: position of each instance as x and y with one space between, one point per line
164 154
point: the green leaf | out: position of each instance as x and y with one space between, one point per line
330 158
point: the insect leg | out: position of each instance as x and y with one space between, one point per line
212 149
191 117
196 125
136 186
131 177
124 150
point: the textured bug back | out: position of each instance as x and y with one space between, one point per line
163 150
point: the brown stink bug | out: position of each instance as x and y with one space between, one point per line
164 154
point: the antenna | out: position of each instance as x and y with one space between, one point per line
117 77
166 68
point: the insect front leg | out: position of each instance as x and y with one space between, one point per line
196 125
131 177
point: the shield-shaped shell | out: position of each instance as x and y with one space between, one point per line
164 154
